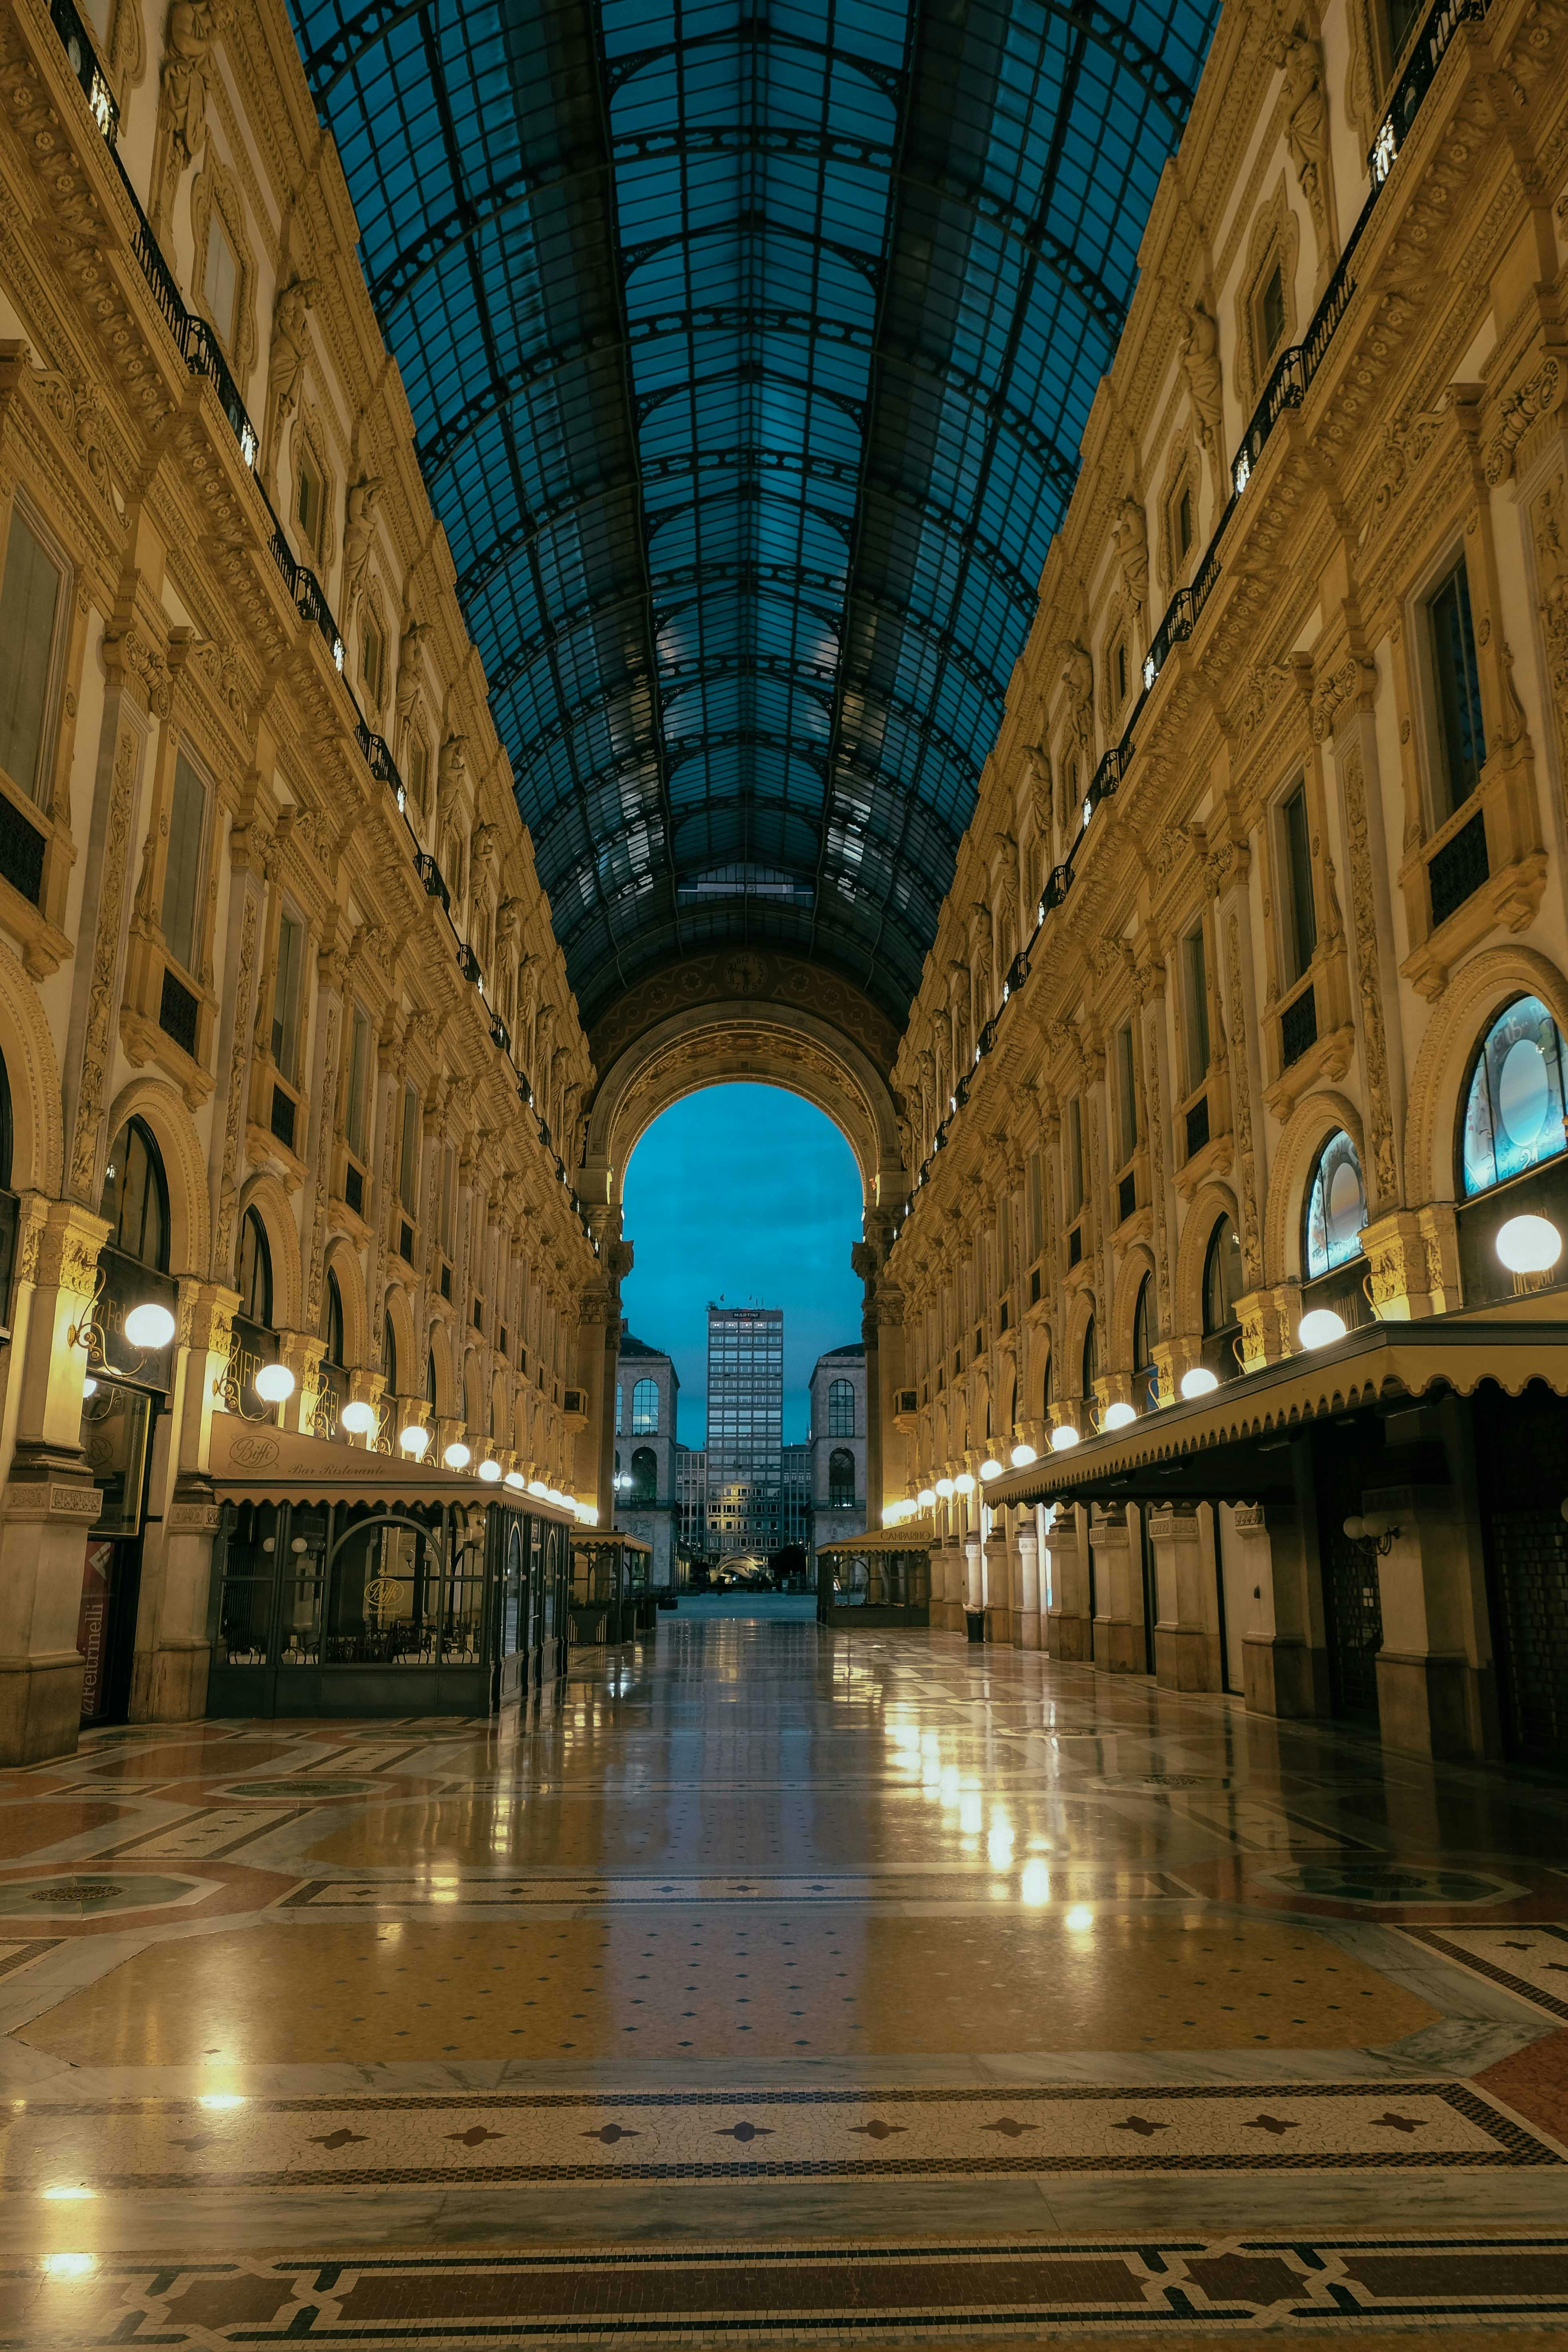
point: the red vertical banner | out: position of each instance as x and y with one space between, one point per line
93 1624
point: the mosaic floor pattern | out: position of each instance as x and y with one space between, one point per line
785 1987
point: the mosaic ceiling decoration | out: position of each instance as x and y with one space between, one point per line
750 350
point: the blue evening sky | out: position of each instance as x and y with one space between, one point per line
747 1194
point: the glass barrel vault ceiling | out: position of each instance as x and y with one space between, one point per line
749 349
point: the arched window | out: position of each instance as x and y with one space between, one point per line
255 1270
430 1380
619 1431
644 1475
1222 1278
7 1125
1514 1113
644 1409
1146 1328
333 1320
389 1353
136 1199
1336 1207
1091 1359
841 1409
841 1478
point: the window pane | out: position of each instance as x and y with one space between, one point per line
358 1084
187 815
1462 740
1197 1009
221 284
286 997
1304 920
28 605
409 1170
1128 1093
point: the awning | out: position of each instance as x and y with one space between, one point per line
613 1535
1232 1445
914 1535
252 1462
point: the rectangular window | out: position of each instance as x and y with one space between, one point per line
356 1109
183 872
408 1166
1185 520
1461 738
418 770
220 281
1127 1092
1271 313
1300 916
1037 1237
449 1202
29 609
307 499
1194 978
286 997
1075 1157
370 660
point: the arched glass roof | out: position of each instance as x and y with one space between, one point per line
749 343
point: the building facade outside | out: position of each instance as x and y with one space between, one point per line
646 1485
838 1444
745 1429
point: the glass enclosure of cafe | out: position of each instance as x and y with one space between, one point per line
353 1604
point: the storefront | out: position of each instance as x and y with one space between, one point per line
348 1582
127 1336
611 1597
882 1578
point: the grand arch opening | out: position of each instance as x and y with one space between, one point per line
998 574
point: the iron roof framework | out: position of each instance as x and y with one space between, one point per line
750 345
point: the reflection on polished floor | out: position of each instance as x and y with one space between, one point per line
813 1985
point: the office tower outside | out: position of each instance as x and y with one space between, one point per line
745 1429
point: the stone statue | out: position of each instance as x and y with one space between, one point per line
1200 359
289 344
408 645
452 773
1133 552
1077 676
359 529
195 27
1306 115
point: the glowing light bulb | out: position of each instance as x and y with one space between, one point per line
1322 1327
1063 1437
489 1471
1199 1381
274 1383
990 1469
1530 1245
1023 1454
457 1456
149 1327
358 1416
945 1488
926 1497
1118 1415
414 1439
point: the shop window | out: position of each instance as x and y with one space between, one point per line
183 871
255 1270
644 1475
1300 916
220 281
1336 1207
1090 1367
333 1320
1514 1110
841 1409
136 1198
644 1409
32 599
287 995
1451 642
1222 1279
841 1479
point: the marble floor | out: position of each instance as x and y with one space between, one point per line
782 1986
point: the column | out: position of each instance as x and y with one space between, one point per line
1284 1662
998 1563
171 1677
1117 1647
1070 1628
974 1591
1026 1624
50 1500
1181 1660
1430 1699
